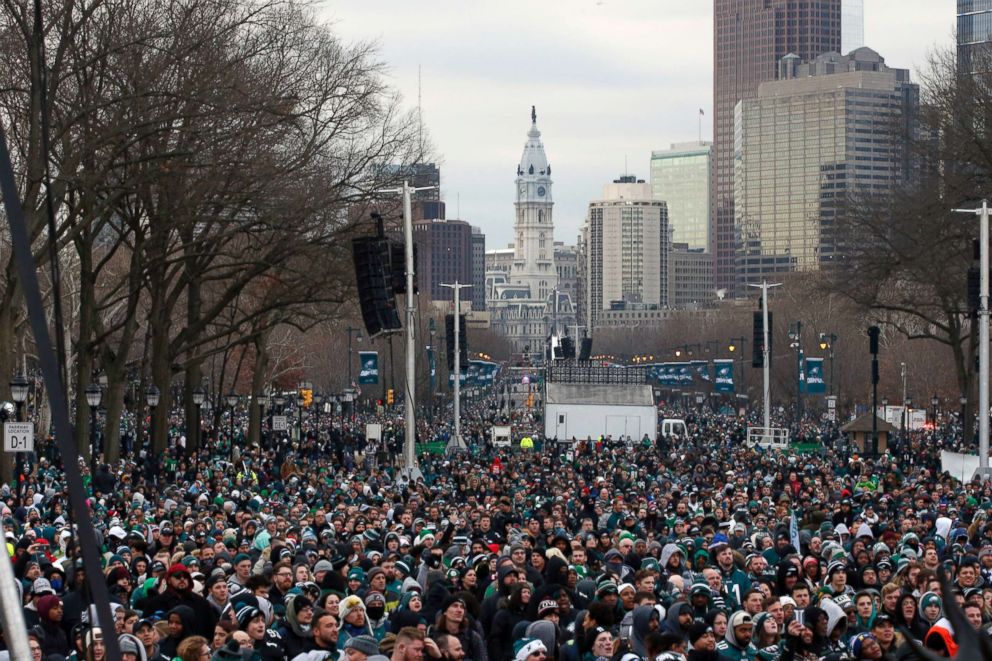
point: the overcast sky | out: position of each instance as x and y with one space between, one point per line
611 79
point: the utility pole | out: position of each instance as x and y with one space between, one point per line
409 387
983 341
797 338
766 354
458 444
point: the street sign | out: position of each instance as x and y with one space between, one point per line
18 437
280 423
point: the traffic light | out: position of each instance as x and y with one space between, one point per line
974 291
389 397
307 394
530 401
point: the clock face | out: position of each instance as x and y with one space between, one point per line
541 191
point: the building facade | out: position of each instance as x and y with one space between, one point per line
974 32
478 290
444 255
524 302
690 278
829 129
852 25
749 39
626 240
681 177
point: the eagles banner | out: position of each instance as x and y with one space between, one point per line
684 374
369 370
724 375
702 369
815 383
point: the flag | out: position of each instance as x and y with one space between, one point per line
702 369
794 530
368 371
815 384
724 369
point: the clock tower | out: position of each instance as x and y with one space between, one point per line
533 228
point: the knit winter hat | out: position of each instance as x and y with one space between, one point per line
858 641
246 614
349 604
365 644
527 646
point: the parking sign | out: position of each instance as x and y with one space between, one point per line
18 437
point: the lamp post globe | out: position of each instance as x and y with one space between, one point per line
152 396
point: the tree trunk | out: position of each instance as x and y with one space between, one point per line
257 387
116 382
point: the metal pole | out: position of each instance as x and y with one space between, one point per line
409 456
983 341
766 357
457 390
903 424
766 353
983 348
799 374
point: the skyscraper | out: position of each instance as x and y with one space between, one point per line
749 38
974 31
852 25
626 239
681 177
824 131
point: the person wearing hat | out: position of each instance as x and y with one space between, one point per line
529 649
454 621
884 630
513 612
353 621
702 642
360 648
267 643
296 631
375 613
147 634
179 592
736 644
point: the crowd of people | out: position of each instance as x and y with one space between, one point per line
695 548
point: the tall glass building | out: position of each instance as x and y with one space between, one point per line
749 38
681 177
974 31
828 129
852 25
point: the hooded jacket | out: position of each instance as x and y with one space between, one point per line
296 637
642 616
187 616
730 649
671 624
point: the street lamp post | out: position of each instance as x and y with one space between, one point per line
278 400
19 388
199 396
93 397
232 401
299 411
263 406
827 341
934 402
737 344
796 335
358 333
152 398
318 399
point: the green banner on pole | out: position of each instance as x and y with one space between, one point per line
369 370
